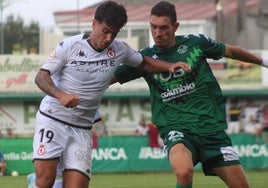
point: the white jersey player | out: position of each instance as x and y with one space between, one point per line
74 79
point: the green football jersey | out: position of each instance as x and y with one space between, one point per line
188 100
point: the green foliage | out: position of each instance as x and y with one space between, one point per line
257 179
19 37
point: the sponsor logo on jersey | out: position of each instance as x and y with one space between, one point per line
88 171
61 44
175 136
106 63
229 153
81 54
102 66
81 155
180 91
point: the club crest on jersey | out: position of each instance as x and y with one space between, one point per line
182 49
110 52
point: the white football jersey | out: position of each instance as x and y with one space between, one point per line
79 69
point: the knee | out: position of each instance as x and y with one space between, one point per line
44 182
242 185
184 175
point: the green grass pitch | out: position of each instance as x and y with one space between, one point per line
257 179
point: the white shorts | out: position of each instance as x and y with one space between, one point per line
73 146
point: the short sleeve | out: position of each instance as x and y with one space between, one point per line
126 73
133 57
57 58
211 48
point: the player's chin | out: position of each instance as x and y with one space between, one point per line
158 41
160 45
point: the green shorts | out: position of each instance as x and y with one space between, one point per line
211 150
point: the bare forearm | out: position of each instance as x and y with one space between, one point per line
153 65
238 53
46 84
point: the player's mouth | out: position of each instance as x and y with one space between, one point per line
158 39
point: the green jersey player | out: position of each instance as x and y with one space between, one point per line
188 108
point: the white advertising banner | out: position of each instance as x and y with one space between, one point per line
18 72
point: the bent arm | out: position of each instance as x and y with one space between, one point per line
45 83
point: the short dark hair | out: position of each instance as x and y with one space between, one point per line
113 14
164 8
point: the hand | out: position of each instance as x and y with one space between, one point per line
265 62
69 100
180 65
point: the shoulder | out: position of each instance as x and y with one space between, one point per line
198 37
147 51
76 38
201 40
132 56
69 41
120 44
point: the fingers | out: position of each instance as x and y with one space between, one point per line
71 105
73 102
187 67
181 65
70 100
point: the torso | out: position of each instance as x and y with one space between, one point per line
77 68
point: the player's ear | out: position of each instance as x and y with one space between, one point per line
176 26
94 24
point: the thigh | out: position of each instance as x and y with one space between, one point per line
77 157
48 145
45 171
217 151
178 146
180 157
49 138
74 179
234 176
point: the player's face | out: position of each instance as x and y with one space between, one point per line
163 31
102 35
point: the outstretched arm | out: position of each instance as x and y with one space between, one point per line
149 64
241 54
155 66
